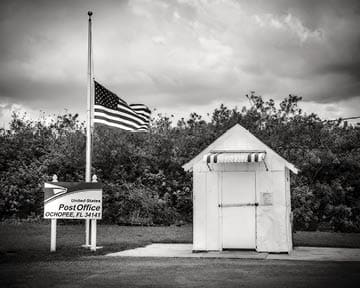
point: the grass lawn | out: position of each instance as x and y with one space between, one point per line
326 239
30 241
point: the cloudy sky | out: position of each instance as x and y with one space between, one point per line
181 56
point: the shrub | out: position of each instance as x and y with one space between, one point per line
304 207
135 205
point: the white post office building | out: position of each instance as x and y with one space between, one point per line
241 195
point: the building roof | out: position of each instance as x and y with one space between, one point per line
237 138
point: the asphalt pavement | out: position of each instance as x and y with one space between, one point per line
103 271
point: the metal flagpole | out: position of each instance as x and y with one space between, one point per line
89 123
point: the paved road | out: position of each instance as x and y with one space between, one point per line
175 272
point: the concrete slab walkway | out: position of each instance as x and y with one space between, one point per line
299 253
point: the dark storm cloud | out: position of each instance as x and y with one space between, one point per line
312 13
56 95
185 53
339 22
351 69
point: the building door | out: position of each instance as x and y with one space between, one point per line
237 203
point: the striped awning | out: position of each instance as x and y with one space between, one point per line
234 157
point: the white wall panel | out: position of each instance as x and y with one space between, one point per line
199 216
288 208
212 211
272 226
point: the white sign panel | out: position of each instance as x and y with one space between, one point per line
267 198
67 200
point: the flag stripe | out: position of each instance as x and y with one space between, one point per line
139 107
143 111
116 123
115 117
125 108
115 113
108 123
146 115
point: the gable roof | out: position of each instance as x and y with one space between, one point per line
236 138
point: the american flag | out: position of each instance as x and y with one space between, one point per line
110 109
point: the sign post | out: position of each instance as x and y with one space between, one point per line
53 235
93 225
72 200
53 226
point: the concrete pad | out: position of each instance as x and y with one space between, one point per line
319 254
185 251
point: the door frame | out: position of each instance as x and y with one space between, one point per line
220 201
